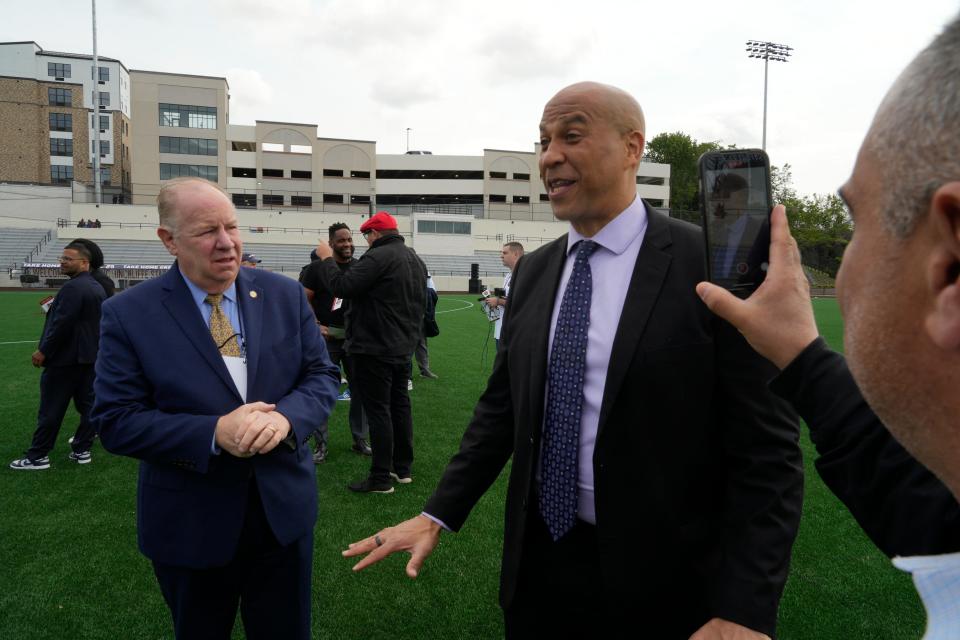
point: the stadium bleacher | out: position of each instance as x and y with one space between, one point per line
16 243
275 257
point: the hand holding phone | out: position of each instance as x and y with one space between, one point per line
735 203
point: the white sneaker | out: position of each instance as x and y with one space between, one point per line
409 385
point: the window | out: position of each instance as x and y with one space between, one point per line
183 115
272 173
655 202
498 174
168 171
428 174
61 147
105 176
59 97
521 199
359 199
104 147
61 174
245 200
359 174
104 74
522 176
650 180
61 122
192 146
301 175
271 146
333 198
301 201
495 198
243 146
244 172
544 197
333 173
104 123
104 98
58 70
272 200
443 226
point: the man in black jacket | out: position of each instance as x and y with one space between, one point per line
387 296
67 351
899 295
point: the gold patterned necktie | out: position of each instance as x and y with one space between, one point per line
224 337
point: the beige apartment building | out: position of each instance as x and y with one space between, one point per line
157 126
50 104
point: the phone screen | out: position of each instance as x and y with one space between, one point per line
736 202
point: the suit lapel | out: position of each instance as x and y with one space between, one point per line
181 307
649 273
544 297
250 300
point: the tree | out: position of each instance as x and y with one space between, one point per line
820 223
681 152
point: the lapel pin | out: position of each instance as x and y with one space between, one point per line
253 294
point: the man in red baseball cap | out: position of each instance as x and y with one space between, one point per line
387 293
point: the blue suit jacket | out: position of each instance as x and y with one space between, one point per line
160 387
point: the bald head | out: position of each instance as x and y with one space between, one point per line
916 133
615 105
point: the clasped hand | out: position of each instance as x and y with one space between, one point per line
250 429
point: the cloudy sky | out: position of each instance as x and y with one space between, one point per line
465 76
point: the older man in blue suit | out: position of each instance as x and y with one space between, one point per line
214 377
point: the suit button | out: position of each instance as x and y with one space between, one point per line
531 440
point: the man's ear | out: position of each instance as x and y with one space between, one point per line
167 238
943 267
635 143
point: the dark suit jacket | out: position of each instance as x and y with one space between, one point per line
899 503
71 332
161 385
696 466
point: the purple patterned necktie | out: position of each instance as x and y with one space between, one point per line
561 426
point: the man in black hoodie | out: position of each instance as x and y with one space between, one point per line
387 297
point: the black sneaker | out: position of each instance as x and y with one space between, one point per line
80 457
362 447
426 373
407 479
26 464
320 453
368 485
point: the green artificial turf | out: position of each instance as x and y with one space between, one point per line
69 565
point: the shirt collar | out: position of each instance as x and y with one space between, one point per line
617 234
199 295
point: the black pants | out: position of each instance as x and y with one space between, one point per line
57 386
270 583
559 588
382 384
358 422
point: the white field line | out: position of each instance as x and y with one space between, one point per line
468 305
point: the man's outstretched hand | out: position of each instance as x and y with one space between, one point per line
777 319
417 536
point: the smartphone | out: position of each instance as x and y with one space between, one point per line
735 204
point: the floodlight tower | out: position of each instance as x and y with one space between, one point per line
767 51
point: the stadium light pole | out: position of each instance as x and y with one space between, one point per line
767 51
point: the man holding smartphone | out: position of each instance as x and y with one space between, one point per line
899 294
